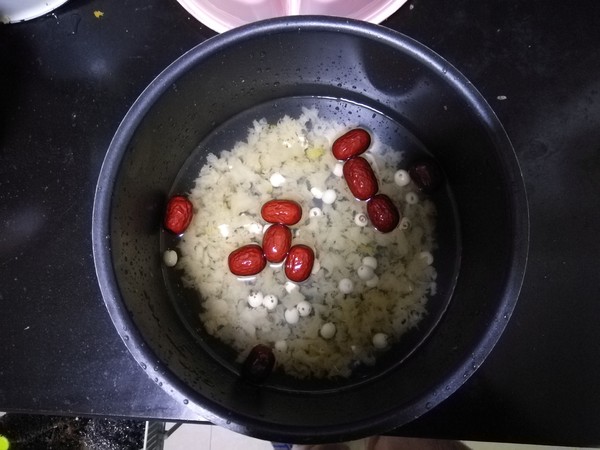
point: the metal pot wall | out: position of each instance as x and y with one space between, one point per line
275 66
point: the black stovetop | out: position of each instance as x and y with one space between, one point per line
66 81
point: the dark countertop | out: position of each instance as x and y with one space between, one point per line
66 81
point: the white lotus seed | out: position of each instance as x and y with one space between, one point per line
365 273
270 302
304 308
316 193
329 196
428 257
401 177
380 341
328 330
370 261
405 223
372 282
411 198
277 180
338 170
255 299
361 220
315 212
346 286
291 316
170 258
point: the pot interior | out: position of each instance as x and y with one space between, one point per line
186 300
409 96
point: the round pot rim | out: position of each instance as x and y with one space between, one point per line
133 339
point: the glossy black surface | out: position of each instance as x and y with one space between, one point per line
67 80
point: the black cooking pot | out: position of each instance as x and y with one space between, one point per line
402 91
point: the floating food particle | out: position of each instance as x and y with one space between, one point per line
299 263
170 258
270 302
380 341
370 261
277 242
365 273
255 299
360 178
315 212
351 144
383 213
361 220
304 308
178 215
259 364
314 153
224 229
329 196
254 228
411 198
401 178
338 170
286 212
316 193
290 287
346 286
328 330
372 282
428 257
247 260
426 174
291 316
277 180
316 267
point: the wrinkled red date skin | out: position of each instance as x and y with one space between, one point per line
383 213
360 178
276 243
178 214
259 364
299 263
286 212
426 174
351 144
247 260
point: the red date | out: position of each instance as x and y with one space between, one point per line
383 213
276 243
351 144
360 178
299 263
247 260
178 214
426 174
286 212
259 364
